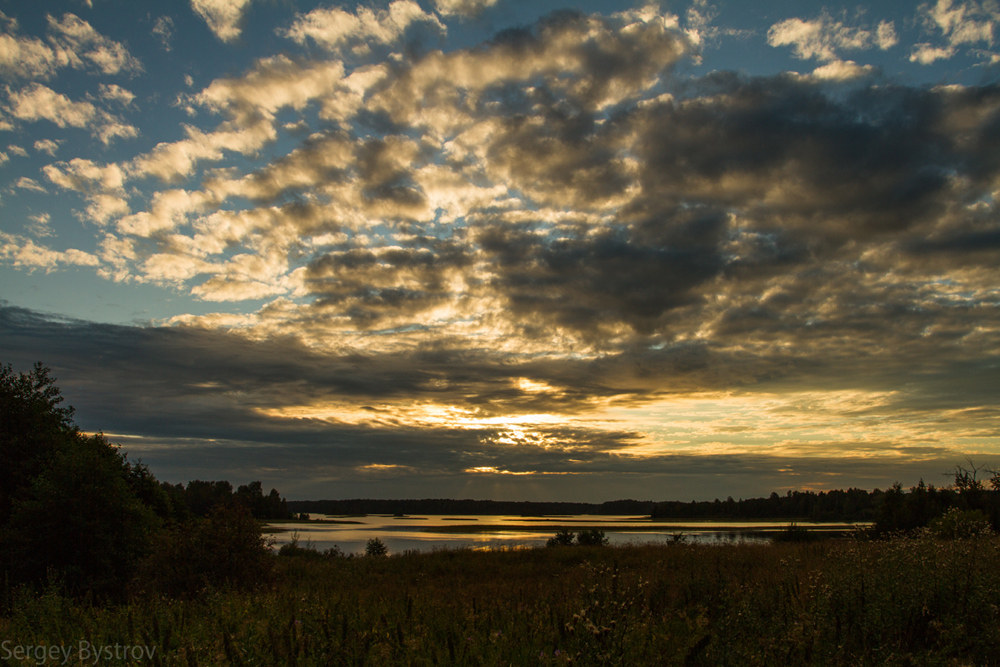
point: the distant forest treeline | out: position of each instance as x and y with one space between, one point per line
474 507
850 505
891 510
200 498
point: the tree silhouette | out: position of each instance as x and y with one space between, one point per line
68 503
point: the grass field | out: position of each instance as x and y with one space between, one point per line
902 601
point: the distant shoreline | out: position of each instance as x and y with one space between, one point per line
851 506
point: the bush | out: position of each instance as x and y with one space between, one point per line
226 550
592 538
564 538
795 533
956 524
376 548
295 550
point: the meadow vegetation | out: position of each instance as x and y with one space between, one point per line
95 550
908 600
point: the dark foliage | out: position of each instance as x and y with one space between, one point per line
564 538
200 498
226 550
592 537
32 429
376 548
923 504
849 505
77 515
796 533
74 510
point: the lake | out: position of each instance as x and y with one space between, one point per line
431 532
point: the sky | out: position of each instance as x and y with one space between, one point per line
510 250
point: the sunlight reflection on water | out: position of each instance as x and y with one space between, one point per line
428 533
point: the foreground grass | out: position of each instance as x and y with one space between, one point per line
896 602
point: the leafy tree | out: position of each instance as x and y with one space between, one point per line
251 496
81 522
564 538
376 548
68 503
148 490
76 512
592 537
271 506
32 428
202 497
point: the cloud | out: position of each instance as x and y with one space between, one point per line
71 42
250 102
462 8
335 30
163 31
115 93
926 53
17 150
78 41
885 35
39 225
224 17
822 38
47 146
103 186
328 415
25 57
111 127
274 83
546 253
506 201
171 162
960 24
167 210
841 70
37 102
26 183
22 252
85 175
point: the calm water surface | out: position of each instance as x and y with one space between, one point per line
430 532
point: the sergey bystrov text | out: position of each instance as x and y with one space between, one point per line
83 651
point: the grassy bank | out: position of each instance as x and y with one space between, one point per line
895 602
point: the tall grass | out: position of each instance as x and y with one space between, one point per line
904 601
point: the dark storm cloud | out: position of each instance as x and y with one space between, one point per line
186 379
385 174
609 59
183 394
367 284
589 62
193 401
322 159
766 179
607 277
565 160
790 155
